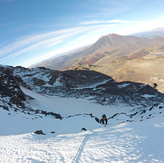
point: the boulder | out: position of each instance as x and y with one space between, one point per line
39 132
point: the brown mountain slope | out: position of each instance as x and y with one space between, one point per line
127 58
112 46
124 58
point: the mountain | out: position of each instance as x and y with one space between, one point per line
124 58
155 32
62 61
43 112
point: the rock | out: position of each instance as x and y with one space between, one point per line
52 132
39 132
83 129
97 120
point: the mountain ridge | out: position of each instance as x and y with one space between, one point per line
154 32
121 57
74 83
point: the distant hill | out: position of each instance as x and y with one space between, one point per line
124 58
154 32
63 61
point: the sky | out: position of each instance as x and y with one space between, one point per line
35 30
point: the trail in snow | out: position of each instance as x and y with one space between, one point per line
133 142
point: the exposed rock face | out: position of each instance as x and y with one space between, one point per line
12 97
10 92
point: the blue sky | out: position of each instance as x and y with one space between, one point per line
34 30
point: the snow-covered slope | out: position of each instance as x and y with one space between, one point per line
120 141
59 104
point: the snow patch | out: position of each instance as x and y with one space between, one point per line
123 85
93 85
148 96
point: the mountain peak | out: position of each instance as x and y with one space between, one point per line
113 35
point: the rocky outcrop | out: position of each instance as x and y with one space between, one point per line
10 92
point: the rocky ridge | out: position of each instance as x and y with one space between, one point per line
72 83
90 85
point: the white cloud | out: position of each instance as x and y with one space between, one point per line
102 22
46 38
140 26
47 43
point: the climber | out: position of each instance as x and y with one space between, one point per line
104 119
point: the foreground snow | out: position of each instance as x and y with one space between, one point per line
124 142
132 142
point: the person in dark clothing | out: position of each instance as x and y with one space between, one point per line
104 120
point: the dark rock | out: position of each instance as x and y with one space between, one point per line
38 82
151 108
97 119
57 116
5 107
133 114
39 132
83 129
155 85
144 111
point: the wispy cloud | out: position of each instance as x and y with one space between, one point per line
102 22
107 8
46 40
6 24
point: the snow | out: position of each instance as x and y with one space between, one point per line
70 106
94 85
57 82
148 96
123 85
118 142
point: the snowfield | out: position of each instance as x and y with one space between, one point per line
120 141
